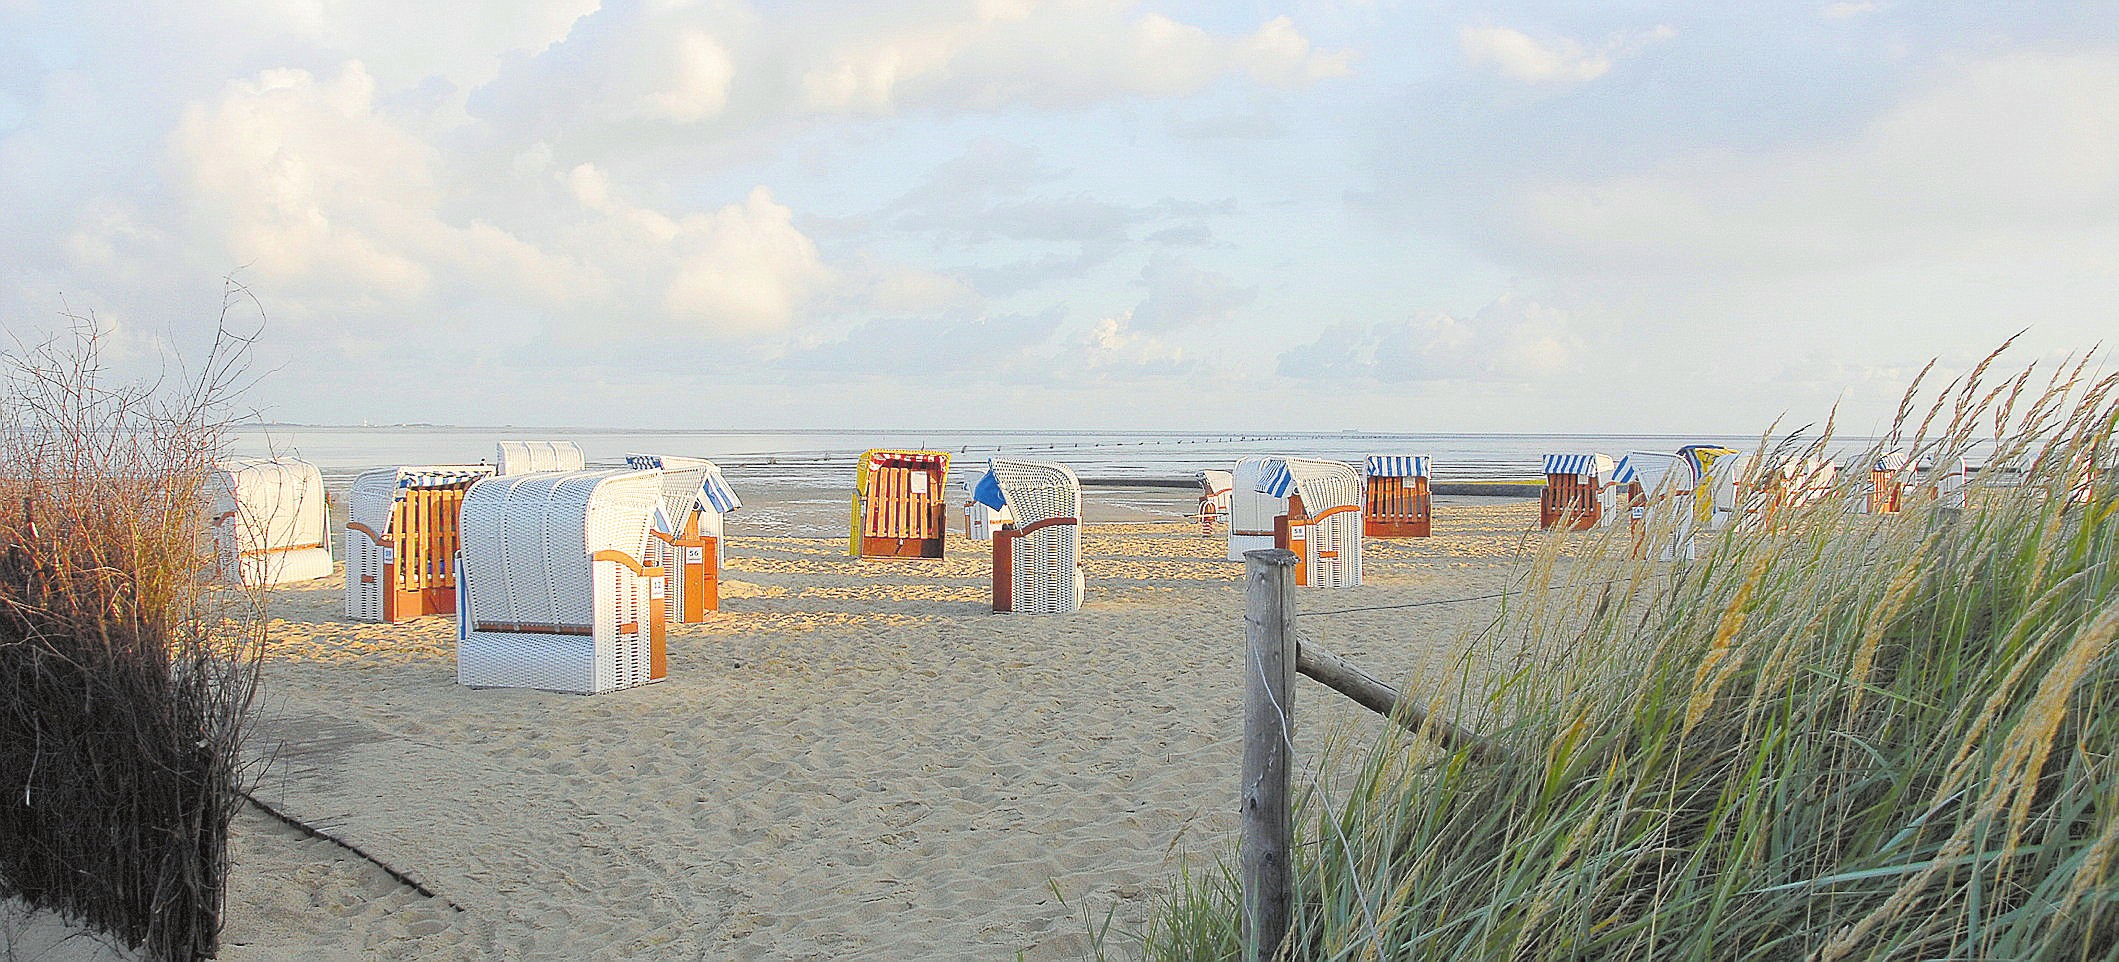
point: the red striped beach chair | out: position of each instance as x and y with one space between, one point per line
1214 487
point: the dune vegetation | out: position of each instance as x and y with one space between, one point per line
1837 735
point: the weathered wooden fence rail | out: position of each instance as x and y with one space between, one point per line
1275 654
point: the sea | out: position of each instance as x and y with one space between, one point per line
810 458
791 480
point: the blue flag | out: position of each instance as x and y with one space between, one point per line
988 492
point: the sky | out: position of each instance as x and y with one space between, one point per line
1605 217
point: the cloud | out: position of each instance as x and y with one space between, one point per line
1181 296
303 181
2026 142
1050 55
1847 9
1114 349
1558 60
1511 339
642 71
994 203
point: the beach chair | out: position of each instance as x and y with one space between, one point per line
1574 484
527 457
1398 502
1948 484
1797 483
1214 487
1653 486
1251 512
980 519
689 542
1887 487
1724 486
900 509
269 522
401 540
1037 559
556 592
1322 524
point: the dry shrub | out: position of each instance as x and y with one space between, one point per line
125 677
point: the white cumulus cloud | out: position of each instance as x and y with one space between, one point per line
1557 60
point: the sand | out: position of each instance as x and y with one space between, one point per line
855 759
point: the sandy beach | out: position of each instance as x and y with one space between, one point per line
854 759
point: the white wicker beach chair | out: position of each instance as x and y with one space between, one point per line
401 539
1950 482
1251 512
1037 561
1323 517
555 592
527 457
1214 488
696 502
270 523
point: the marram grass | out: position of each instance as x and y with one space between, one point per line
1843 736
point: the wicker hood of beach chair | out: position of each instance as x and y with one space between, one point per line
529 457
1251 511
270 524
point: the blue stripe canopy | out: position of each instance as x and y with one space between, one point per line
436 477
1625 473
1575 463
715 491
1277 480
1397 466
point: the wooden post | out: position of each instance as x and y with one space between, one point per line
1268 727
1342 676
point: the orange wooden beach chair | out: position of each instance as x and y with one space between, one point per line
1399 505
402 535
900 509
1574 485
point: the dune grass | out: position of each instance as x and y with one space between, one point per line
1843 736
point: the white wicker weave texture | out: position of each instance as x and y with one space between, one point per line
539 610
527 457
1046 574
